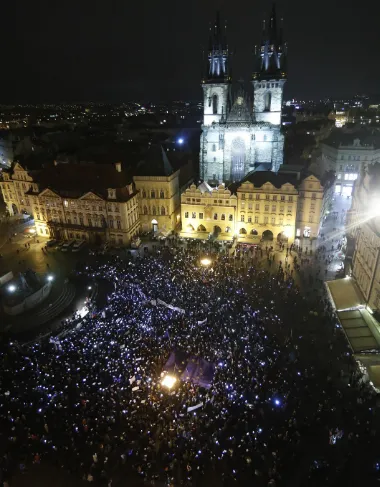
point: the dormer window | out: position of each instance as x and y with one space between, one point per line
111 194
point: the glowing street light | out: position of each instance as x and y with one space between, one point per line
11 288
89 288
169 381
180 141
50 278
206 261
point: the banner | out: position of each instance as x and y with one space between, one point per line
193 408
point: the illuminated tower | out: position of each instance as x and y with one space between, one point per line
270 73
215 87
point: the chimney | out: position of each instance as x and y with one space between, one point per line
118 166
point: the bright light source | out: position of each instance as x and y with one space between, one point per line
32 230
288 232
169 381
83 311
89 288
277 402
180 141
50 278
12 288
206 261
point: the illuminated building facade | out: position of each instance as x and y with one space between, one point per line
363 223
237 136
263 205
159 192
91 202
344 152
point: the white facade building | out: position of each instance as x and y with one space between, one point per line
238 136
345 152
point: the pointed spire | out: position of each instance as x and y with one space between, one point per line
218 52
271 54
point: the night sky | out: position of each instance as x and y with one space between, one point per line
120 50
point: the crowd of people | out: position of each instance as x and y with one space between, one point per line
286 405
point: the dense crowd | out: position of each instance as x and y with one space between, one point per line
286 405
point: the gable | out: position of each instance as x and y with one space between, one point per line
48 193
91 196
18 167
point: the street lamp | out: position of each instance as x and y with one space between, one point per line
205 261
169 381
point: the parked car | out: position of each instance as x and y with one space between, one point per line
78 246
67 246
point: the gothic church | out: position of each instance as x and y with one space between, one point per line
239 137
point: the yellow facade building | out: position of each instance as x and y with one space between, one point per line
159 182
264 205
91 202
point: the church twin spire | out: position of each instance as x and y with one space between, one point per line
270 62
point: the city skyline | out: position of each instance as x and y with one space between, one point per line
148 51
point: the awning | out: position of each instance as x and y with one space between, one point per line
345 294
360 330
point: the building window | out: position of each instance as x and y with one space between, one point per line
273 220
310 218
215 216
257 196
265 219
250 206
249 219
266 208
275 198
267 196
342 158
162 195
110 222
88 219
289 209
201 216
118 224
267 101
281 209
313 196
281 220
223 216
193 215
290 199
144 194
243 196
213 148
215 104
273 208
80 220
152 194
243 205
230 218
242 218
145 210
65 203
256 219
257 207
282 198
154 210
186 214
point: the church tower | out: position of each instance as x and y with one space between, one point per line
270 73
216 86
216 83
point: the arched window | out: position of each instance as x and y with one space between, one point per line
145 210
152 194
154 210
162 210
215 104
162 195
144 193
267 101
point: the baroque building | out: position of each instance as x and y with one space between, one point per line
90 202
263 205
237 135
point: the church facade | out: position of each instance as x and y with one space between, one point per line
238 136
